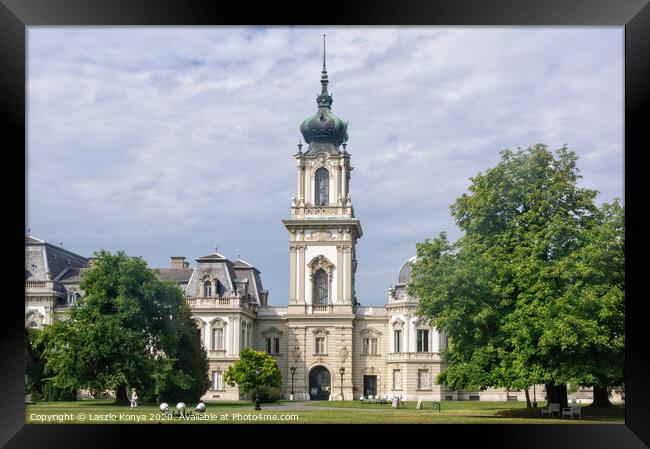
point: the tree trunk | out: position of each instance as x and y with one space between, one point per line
528 404
121 397
601 397
557 394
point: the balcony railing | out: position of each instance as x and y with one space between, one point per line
234 302
35 284
328 211
321 308
44 285
371 310
404 356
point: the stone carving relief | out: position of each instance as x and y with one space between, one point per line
320 236
296 353
343 354
372 371
34 318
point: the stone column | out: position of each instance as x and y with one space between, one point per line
301 272
345 178
292 271
347 262
339 273
236 330
307 183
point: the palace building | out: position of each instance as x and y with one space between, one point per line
327 345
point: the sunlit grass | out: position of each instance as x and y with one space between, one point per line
241 412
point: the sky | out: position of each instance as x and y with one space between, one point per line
171 141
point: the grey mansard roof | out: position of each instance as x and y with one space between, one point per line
181 275
68 268
42 258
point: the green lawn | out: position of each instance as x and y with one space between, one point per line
453 412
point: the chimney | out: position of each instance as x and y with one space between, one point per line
264 297
178 262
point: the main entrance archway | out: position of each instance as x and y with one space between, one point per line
320 384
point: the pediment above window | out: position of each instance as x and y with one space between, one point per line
398 324
370 332
370 371
271 331
320 331
320 262
218 323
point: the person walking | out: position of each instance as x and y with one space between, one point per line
134 398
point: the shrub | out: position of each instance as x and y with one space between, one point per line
269 394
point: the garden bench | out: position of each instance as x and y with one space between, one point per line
572 411
552 408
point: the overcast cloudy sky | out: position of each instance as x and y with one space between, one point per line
168 141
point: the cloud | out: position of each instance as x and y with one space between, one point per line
167 141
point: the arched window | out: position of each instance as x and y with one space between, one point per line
320 287
207 289
322 184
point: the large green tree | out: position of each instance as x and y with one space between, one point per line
242 372
128 330
533 290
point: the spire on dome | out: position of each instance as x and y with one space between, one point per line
324 69
324 100
324 127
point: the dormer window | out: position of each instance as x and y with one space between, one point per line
207 288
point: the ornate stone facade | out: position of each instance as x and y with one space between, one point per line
339 349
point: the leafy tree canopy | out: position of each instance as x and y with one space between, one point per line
533 292
129 329
242 372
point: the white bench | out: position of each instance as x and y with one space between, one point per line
552 408
572 411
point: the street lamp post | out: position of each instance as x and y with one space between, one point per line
293 371
342 370
257 389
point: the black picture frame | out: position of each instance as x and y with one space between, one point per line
634 15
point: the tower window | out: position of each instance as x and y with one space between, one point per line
320 287
322 190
